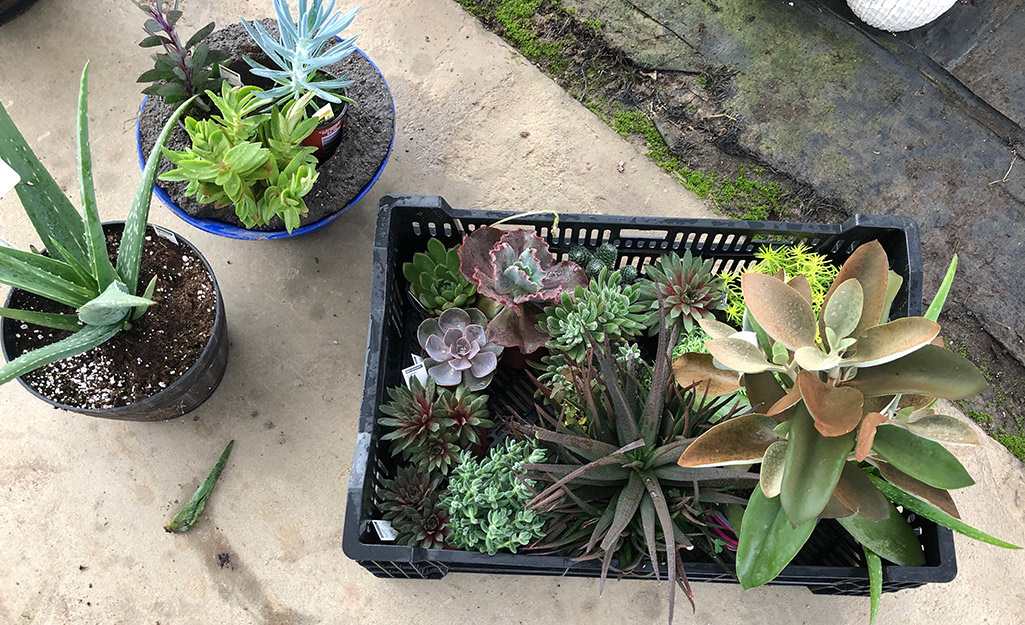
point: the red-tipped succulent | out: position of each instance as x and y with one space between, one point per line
516 269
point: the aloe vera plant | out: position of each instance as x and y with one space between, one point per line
78 271
302 50
845 429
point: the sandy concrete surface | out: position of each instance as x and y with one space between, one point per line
84 501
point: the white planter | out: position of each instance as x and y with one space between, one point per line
899 15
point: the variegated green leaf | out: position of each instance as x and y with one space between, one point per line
32 273
79 342
151 287
110 307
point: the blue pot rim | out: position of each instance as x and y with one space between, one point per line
224 229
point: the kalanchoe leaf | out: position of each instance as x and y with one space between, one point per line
920 458
869 265
740 355
843 311
858 494
691 369
935 496
941 428
741 440
891 537
867 434
836 410
888 342
767 541
784 314
771 474
931 371
813 467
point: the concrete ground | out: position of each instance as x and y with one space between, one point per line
84 500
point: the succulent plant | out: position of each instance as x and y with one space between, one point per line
410 503
415 416
255 162
458 349
438 453
854 389
468 412
604 309
792 261
619 471
605 257
690 290
435 279
486 499
182 70
302 50
515 268
78 272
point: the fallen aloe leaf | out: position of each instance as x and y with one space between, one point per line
934 514
193 508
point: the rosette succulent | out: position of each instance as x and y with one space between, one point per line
414 416
687 285
845 428
467 411
517 270
605 310
435 280
410 503
458 349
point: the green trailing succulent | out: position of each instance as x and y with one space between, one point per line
605 309
486 500
846 430
435 280
606 256
616 490
690 290
78 271
430 426
792 261
182 70
301 51
410 503
254 161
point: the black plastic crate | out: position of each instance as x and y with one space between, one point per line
831 562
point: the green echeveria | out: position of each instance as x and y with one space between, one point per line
689 290
605 309
435 279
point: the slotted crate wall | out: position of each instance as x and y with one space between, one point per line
831 562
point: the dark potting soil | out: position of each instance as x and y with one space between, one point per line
366 135
138 363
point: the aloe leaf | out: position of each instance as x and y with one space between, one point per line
35 274
83 275
79 342
936 306
768 542
921 458
648 527
111 306
47 320
129 255
52 214
934 514
95 241
193 508
875 583
892 538
151 288
813 467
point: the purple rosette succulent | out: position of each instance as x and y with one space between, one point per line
516 269
458 349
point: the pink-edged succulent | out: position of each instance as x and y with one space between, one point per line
458 349
516 269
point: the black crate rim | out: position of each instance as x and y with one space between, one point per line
402 561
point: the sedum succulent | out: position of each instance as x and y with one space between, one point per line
618 474
78 272
604 309
458 349
254 161
847 431
435 279
690 290
486 498
302 50
516 269
792 261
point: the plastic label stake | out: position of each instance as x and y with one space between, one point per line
417 370
8 178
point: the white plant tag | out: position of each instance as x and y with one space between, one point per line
385 531
417 370
8 178
325 113
234 78
165 234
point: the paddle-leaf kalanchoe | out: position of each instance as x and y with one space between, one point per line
183 70
847 412
78 271
302 50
